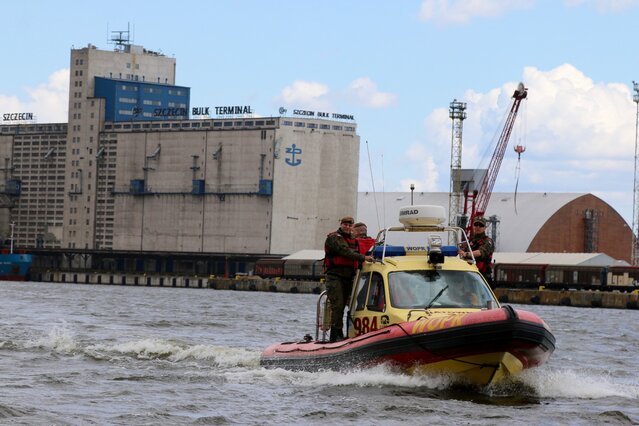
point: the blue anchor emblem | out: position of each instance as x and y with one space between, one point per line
293 150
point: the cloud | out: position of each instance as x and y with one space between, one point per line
423 160
578 133
48 101
363 91
462 11
306 94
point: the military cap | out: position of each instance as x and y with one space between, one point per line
481 220
347 219
358 224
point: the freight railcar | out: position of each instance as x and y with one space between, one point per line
623 278
564 277
303 269
269 268
513 275
290 269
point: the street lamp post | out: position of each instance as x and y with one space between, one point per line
635 198
412 188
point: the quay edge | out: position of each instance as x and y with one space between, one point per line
576 298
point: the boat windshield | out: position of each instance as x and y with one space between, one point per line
438 289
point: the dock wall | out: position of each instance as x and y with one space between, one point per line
589 299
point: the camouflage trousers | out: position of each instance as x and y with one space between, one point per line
338 290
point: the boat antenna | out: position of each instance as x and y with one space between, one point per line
370 167
383 195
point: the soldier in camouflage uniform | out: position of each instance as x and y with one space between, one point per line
341 260
482 247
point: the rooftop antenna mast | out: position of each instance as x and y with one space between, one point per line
635 208
121 39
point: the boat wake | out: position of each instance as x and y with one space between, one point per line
241 365
61 340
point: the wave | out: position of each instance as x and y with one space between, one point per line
531 385
151 348
59 339
242 365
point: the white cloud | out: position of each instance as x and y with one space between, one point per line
578 133
48 101
461 11
363 91
306 94
418 157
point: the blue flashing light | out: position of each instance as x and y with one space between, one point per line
449 250
390 251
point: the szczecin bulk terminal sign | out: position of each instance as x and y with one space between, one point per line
319 114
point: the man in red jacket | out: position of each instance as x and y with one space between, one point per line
360 232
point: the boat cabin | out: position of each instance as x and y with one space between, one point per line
406 283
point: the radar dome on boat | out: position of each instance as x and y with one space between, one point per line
422 215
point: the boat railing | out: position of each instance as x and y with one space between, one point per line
459 237
323 316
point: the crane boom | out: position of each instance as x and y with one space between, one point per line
482 195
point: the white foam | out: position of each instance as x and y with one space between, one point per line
568 383
59 339
151 348
377 376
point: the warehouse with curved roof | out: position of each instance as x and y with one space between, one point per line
528 222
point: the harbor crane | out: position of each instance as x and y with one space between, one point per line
480 197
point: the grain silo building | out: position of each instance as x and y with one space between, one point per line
131 171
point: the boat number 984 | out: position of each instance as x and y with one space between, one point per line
364 325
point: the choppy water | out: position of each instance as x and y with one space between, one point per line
82 354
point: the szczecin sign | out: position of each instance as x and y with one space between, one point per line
17 116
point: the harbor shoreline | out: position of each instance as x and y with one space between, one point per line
539 296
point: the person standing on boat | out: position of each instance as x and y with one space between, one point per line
341 260
482 247
360 232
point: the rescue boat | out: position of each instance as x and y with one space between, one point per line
424 310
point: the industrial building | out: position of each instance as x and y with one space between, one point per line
527 223
130 171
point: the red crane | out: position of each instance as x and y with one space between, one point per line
481 196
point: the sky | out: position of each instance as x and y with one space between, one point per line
394 65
